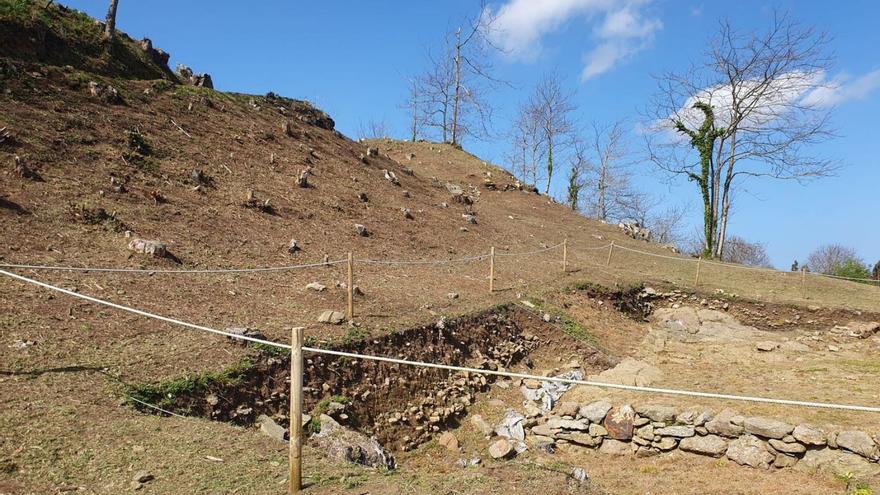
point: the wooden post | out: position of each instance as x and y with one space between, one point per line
350 287
803 283
296 405
610 252
697 277
565 255
492 269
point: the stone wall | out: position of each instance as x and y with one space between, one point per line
650 429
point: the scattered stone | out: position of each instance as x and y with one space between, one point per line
448 440
748 450
187 76
665 443
454 189
362 196
105 92
293 247
469 218
766 427
143 477
501 449
303 179
579 475
317 287
270 428
596 430
361 230
371 151
344 445
512 426
766 346
331 317
711 445
152 248
407 213
390 177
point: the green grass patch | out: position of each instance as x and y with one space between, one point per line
165 394
314 425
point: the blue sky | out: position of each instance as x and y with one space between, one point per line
352 59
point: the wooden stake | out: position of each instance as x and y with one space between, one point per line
350 286
803 283
697 277
565 255
492 269
296 405
610 252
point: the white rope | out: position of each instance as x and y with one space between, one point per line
529 253
843 278
422 262
151 271
676 258
155 407
508 374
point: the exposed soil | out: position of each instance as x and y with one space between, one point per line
374 391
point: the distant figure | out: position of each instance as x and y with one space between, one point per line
794 266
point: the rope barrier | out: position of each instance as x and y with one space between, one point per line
151 406
529 253
422 262
152 271
633 388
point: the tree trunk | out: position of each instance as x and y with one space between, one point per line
549 165
456 87
725 203
601 208
110 22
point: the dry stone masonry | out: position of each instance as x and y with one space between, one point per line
650 429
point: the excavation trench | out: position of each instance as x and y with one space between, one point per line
401 405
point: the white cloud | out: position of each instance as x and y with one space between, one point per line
843 88
622 30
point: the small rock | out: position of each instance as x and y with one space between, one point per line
315 286
615 447
452 295
142 477
448 440
361 230
766 427
292 248
595 412
766 346
152 248
579 475
787 448
407 213
501 449
332 317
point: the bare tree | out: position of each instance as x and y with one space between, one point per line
552 108
110 21
374 129
667 226
612 196
750 110
527 148
744 252
454 86
830 258
415 107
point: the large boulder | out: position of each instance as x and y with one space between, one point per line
344 445
619 423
